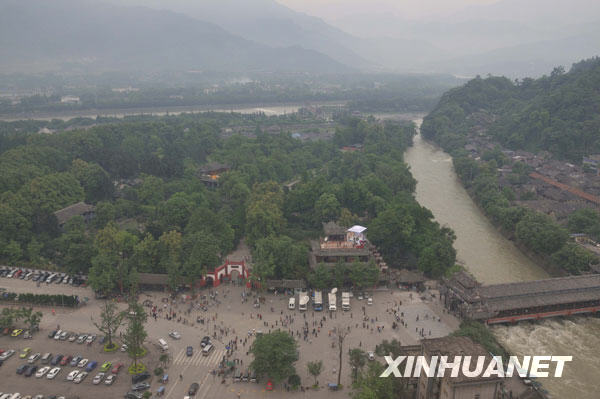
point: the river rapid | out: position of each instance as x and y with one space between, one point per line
492 258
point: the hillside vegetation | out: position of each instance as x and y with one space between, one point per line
557 113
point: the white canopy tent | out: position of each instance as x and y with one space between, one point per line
357 229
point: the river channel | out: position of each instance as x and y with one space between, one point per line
491 258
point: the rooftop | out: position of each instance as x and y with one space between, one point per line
71 211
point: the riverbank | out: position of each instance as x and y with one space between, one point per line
268 109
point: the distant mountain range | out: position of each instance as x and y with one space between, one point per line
265 36
79 34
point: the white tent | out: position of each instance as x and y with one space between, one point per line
357 229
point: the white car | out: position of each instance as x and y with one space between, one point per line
7 354
41 372
90 339
175 335
52 373
124 348
72 375
33 357
371 355
72 337
98 378
370 301
80 377
82 363
57 335
110 379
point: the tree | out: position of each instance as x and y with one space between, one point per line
110 322
274 355
32 319
135 334
540 233
314 369
320 278
369 385
341 335
358 359
164 359
327 208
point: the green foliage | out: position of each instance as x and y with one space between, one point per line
368 384
358 359
314 369
573 258
274 355
540 233
585 221
481 334
110 322
557 113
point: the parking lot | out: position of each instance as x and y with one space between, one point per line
227 318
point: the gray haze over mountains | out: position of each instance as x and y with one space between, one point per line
510 37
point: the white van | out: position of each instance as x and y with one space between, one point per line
163 344
292 303
207 349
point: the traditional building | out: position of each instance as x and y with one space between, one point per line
78 209
340 244
210 174
459 387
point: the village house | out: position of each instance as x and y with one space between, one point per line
78 209
210 174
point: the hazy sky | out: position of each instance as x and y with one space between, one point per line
331 9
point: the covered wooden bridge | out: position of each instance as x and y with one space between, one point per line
528 300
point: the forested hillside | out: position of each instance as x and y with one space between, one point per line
559 113
153 213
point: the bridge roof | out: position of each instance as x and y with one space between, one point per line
545 292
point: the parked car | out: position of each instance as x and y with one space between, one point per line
90 339
52 373
371 355
56 359
51 334
42 371
22 368
30 371
105 366
110 379
140 377
189 351
66 360
175 335
124 348
82 363
72 337
33 358
117 367
81 338
58 334
7 354
98 378
46 358
16 332
27 335
25 353
75 361
134 395
80 377
91 365
72 375
140 386
63 336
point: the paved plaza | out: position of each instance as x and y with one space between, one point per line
228 319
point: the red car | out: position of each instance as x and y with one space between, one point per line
66 360
117 367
